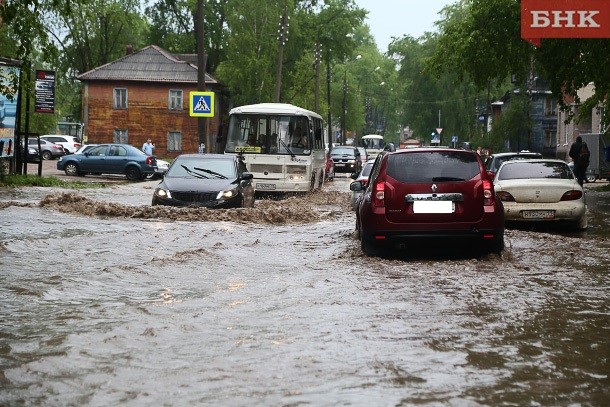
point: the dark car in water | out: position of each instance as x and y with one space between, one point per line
110 159
206 180
431 196
346 159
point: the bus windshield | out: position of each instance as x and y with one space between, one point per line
373 141
269 134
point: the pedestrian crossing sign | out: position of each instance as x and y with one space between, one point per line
201 104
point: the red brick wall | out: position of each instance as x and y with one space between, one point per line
147 115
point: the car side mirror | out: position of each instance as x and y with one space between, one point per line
247 176
356 186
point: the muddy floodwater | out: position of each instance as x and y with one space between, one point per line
105 300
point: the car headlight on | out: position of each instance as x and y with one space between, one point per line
227 194
163 193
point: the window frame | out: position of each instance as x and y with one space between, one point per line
173 138
175 99
119 98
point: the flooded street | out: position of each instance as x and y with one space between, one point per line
106 300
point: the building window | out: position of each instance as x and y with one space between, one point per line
120 136
550 107
120 98
175 99
174 141
550 138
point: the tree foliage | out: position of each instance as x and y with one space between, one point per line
482 39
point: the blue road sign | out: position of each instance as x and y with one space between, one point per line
201 104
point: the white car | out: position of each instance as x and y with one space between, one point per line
69 143
162 167
540 190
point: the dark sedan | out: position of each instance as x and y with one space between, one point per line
346 159
110 159
206 180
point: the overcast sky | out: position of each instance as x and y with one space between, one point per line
395 18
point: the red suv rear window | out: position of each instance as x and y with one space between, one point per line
432 166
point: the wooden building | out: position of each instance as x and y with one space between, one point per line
145 95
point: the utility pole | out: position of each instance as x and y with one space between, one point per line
282 37
344 109
328 123
202 132
317 75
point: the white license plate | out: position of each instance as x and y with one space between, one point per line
537 214
433 207
265 187
339 164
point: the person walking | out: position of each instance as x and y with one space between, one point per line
579 153
148 147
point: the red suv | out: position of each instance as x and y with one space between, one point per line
433 196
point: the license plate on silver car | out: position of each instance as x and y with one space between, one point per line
433 207
265 187
537 214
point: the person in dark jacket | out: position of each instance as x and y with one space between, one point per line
580 167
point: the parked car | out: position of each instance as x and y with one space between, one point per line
84 147
494 161
346 159
362 178
364 157
206 180
110 159
329 169
541 190
32 155
434 196
69 143
48 150
162 167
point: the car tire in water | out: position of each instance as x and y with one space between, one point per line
496 245
369 247
133 173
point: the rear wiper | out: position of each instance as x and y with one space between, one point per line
193 173
287 148
211 172
441 179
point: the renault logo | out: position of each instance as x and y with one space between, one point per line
434 187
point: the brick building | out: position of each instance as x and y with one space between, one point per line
145 94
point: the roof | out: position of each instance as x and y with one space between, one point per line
150 64
273 108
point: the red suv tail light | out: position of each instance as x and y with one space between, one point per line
379 194
488 193
149 160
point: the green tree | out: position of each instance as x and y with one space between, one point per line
172 27
433 98
510 130
481 39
